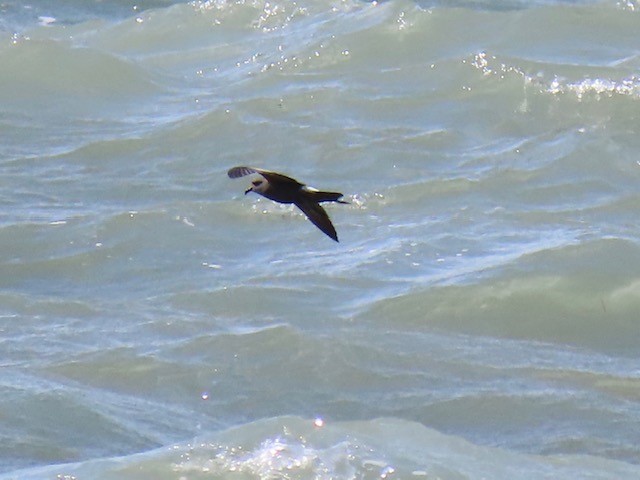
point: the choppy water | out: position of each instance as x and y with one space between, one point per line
480 317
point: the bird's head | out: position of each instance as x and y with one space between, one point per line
258 186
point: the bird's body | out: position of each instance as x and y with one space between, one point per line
283 189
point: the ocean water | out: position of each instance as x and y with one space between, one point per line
479 318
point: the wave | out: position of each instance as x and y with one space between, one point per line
298 448
555 295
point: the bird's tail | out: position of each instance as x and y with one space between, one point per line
328 197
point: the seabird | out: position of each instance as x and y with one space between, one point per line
283 189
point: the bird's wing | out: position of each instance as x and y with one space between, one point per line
318 217
237 172
272 177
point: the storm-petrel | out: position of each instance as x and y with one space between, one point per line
283 189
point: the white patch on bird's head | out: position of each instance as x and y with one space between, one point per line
260 185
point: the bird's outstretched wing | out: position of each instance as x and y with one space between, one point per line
318 217
237 172
272 177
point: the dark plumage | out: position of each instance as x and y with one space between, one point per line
283 189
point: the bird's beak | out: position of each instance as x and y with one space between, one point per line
248 190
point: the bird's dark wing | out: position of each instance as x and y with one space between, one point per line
272 177
237 172
318 217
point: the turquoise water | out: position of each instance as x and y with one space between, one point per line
480 317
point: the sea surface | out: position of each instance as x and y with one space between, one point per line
479 318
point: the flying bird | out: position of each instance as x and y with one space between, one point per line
283 189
